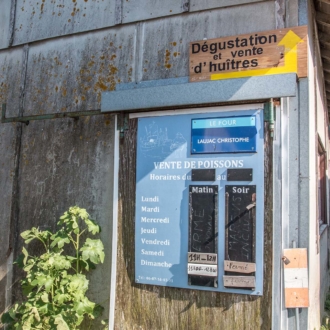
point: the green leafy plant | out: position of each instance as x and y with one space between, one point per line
55 284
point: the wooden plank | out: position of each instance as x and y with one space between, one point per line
240 267
295 278
203 258
239 281
297 258
296 298
203 270
262 53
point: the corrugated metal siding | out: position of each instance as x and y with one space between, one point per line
11 79
5 6
7 173
208 4
45 19
134 11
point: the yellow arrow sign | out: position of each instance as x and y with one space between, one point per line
254 54
290 42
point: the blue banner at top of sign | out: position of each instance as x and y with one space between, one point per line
224 122
223 135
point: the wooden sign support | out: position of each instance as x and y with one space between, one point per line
295 278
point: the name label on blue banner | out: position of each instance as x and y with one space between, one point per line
223 135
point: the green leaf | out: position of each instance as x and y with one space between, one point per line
44 280
44 297
6 318
105 322
59 262
92 226
19 261
61 324
35 313
44 309
65 216
84 306
93 250
82 213
60 238
62 298
30 235
26 255
27 288
80 318
98 310
78 284
28 267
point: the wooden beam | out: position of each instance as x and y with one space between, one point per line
324 46
324 38
326 66
323 6
322 18
327 87
326 77
325 54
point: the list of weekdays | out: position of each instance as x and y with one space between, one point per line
154 250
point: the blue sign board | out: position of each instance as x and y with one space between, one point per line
164 186
223 134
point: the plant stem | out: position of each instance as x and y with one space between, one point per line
73 241
77 253
43 244
53 293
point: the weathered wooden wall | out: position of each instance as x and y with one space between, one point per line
154 307
62 163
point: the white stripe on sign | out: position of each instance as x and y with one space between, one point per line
295 278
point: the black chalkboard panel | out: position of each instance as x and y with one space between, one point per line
203 230
203 174
240 223
239 174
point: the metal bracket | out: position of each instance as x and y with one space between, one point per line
26 119
270 114
122 125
